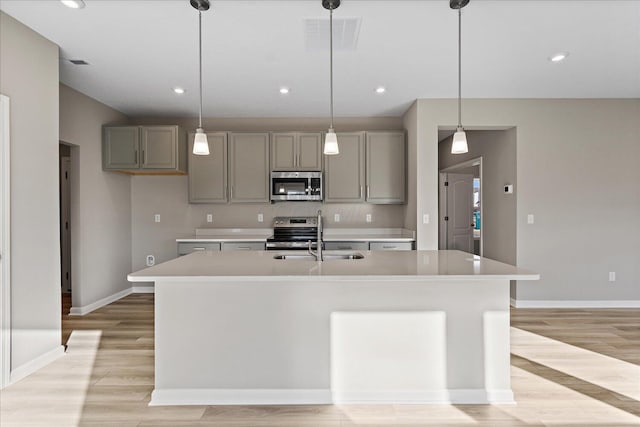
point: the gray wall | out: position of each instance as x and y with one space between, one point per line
577 172
29 76
100 202
410 123
498 152
168 196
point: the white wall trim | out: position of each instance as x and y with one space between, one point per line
143 289
37 363
5 245
81 311
451 396
204 396
575 304
168 397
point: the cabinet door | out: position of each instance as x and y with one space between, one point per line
208 174
249 167
120 147
283 152
159 147
309 155
344 172
386 170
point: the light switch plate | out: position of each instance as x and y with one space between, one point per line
612 276
156 217
425 219
530 219
336 217
368 217
260 217
209 218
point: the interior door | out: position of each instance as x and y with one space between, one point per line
459 201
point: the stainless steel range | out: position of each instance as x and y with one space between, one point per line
293 233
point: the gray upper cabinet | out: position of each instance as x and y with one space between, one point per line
386 154
296 151
208 174
249 167
120 147
345 173
144 149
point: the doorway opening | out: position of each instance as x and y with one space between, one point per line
65 226
460 207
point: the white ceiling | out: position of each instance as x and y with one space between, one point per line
139 49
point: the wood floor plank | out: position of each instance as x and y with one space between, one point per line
570 368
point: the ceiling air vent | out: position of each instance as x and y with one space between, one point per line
345 33
78 62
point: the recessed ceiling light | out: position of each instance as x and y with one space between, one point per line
380 89
73 4
284 90
558 57
179 90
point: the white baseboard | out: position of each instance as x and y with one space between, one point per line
81 311
453 396
575 304
169 397
143 289
39 362
205 396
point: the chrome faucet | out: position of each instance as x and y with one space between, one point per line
318 252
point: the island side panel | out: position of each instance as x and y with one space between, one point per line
269 342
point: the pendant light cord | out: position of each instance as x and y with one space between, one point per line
331 58
459 67
200 59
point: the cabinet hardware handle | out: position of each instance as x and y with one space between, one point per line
231 193
144 157
198 249
136 157
389 247
244 248
367 192
360 192
345 247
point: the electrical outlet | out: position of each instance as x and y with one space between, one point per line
530 219
425 219
336 217
612 276
260 217
151 260
209 218
368 217
156 217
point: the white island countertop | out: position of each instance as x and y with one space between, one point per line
397 265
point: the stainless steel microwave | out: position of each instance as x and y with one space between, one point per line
296 186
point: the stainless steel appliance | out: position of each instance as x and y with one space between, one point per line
293 233
296 186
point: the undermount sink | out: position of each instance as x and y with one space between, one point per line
327 257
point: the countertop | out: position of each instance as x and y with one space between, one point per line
329 235
396 265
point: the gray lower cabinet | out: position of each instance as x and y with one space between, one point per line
385 166
185 248
243 246
296 151
390 246
144 149
345 173
208 174
249 167
351 246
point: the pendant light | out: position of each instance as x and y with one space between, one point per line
459 145
330 139
200 143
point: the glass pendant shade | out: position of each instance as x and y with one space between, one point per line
200 143
331 143
459 145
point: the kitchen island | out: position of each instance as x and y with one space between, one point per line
403 327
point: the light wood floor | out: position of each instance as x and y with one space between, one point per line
577 368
